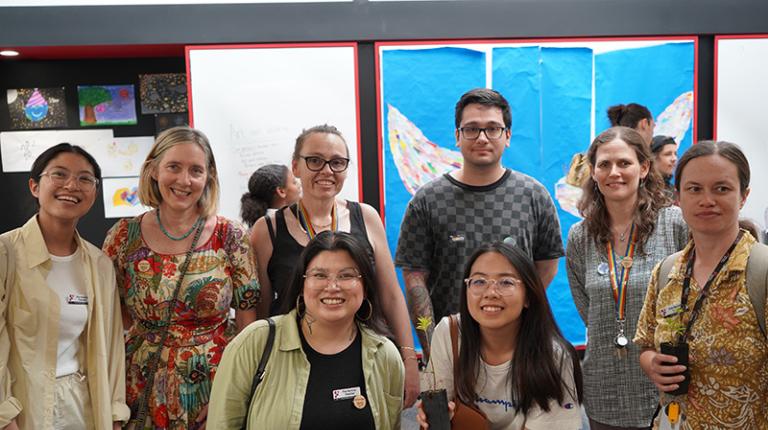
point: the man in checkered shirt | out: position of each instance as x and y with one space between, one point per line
479 203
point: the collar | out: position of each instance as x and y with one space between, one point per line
290 340
34 244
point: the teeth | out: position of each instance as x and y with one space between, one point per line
69 199
332 301
181 193
491 308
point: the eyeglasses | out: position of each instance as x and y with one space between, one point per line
492 133
321 280
61 177
317 164
504 286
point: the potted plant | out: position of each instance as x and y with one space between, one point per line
678 348
434 401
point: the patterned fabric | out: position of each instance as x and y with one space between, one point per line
220 276
447 220
728 352
611 383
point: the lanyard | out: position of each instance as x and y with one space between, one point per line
704 291
619 273
306 222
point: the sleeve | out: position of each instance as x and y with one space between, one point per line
245 285
440 360
646 323
566 416
396 378
116 345
10 406
574 265
415 245
681 231
116 239
229 400
548 242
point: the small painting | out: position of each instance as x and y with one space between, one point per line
32 108
164 121
163 93
107 105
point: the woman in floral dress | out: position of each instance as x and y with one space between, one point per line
180 268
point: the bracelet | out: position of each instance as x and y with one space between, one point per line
408 348
411 357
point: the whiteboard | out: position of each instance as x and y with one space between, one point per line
741 92
252 101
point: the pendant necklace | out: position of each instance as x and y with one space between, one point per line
177 238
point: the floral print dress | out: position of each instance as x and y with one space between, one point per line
220 275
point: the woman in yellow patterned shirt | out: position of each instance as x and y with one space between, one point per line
728 359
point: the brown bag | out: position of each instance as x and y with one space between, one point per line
465 416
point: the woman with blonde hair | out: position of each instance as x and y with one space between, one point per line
180 268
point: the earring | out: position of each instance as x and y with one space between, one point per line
299 302
370 312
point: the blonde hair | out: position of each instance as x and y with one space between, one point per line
149 192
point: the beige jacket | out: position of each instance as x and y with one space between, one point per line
29 325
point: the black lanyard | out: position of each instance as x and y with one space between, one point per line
704 291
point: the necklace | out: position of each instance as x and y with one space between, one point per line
177 238
305 221
623 235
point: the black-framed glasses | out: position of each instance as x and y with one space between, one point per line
504 286
472 133
317 164
60 178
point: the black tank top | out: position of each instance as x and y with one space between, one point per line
286 251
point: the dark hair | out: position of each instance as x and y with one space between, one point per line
262 187
651 196
729 151
628 115
325 128
340 241
535 376
42 160
485 97
659 142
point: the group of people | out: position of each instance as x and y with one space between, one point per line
651 263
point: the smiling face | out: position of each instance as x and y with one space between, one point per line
490 309
325 183
617 171
482 152
181 177
666 159
710 197
70 201
333 291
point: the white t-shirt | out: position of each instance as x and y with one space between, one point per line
66 279
494 391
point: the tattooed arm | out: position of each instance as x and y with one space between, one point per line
419 304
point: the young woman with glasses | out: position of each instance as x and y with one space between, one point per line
61 338
628 227
513 363
331 365
321 162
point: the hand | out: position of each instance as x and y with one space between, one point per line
658 366
12 426
201 418
412 388
421 417
117 425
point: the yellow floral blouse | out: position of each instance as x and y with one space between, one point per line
728 352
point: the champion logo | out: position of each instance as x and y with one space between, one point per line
569 406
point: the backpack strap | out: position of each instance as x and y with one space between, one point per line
455 348
757 281
259 376
666 268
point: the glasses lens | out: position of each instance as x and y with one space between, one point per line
470 132
339 164
494 132
314 163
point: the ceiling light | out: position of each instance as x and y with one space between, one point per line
9 53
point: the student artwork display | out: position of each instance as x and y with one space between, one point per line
106 105
31 108
163 93
124 155
19 149
121 198
559 92
164 121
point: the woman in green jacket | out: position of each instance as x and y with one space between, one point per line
331 365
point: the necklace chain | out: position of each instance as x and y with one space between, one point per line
177 238
623 235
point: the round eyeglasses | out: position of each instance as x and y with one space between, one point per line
322 280
61 177
317 164
504 286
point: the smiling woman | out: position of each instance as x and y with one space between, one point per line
61 350
179 271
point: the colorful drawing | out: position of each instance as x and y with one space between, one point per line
121 198
126 197
107 105
418 159
676 118
163 93
31 108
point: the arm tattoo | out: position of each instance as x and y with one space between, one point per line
419 303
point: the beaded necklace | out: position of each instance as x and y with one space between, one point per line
176 238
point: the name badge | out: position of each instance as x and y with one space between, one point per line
77 299
671 310
346 393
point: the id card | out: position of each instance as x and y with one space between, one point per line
346 393
77 299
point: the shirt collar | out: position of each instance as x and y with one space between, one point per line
290 339
737 262
34 244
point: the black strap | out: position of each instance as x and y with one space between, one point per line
259 376
270 229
